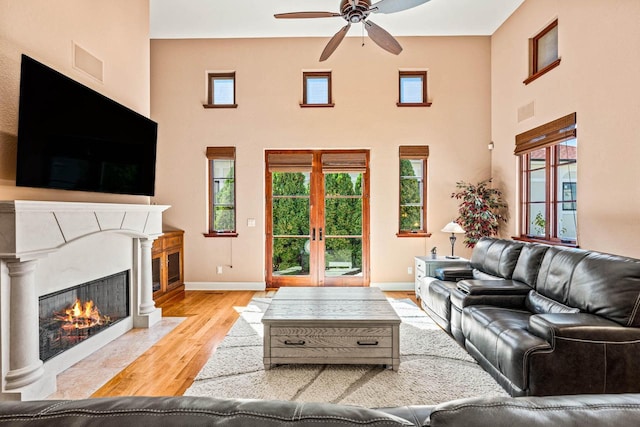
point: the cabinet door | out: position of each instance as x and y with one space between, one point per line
174 268
156 272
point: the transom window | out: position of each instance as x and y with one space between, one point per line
549 181
413 190
222 191
413 89
222 90
543 52
316 89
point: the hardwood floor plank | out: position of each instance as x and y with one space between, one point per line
169 367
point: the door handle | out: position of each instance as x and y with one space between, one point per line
320 233
313 234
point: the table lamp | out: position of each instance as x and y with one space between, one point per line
453 228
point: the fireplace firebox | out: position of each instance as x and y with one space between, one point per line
73 315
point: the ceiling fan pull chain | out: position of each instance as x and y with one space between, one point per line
362 33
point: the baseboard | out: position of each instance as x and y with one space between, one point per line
224 286
260 286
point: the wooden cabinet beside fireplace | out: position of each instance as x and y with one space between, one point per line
167 265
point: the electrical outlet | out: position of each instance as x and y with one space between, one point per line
409 270
219 269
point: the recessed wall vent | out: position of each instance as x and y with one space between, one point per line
85 61
526 111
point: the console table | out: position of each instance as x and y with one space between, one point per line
425 268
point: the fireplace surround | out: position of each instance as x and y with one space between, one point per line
49 247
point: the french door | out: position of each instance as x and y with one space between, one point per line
317 218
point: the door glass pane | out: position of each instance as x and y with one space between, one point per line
290 256
155 274
538 186
343 217
566 191
173 268
343 257
291 223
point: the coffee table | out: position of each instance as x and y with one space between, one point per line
307 325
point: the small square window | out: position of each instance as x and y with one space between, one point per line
316 90
543 52
413 89
222 90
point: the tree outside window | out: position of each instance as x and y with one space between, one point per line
413 191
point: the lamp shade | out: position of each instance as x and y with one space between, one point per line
452 227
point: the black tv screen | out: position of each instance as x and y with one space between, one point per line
72 137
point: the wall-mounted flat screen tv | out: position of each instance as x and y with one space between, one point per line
72 137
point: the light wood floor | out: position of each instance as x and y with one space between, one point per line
169 367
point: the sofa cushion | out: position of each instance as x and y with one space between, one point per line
556 271
503 338
438 299
557 411
608 286
528 265
189 411
496 257
540 304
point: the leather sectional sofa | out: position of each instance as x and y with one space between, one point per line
583 411
545 320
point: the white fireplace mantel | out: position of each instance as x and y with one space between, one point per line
33 230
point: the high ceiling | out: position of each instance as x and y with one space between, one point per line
254 18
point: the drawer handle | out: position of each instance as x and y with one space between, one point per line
367 342
299 342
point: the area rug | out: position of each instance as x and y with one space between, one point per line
433 368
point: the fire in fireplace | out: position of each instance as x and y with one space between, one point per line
73 315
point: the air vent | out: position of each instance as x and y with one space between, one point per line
526 111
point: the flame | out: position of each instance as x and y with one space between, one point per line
81 316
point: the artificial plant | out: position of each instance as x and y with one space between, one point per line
481 210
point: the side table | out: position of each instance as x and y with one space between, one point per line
425 268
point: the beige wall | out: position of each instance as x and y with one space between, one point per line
114 31
599 43
269 90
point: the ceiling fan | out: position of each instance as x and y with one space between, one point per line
354 11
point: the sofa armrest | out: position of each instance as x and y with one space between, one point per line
454 274
493 287
580 326
460 299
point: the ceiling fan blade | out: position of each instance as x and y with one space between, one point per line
296 15
382 38
392 6
334 42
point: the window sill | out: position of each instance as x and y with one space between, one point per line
553 242
221 234
413 104
220 105
317 105
413 234
541 72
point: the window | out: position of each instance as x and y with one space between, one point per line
549 166
316 89
222 90
222 191
543 52
413 89
413 191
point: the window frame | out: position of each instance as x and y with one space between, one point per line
413 152
316 74
548 137
213 154
534 70
211 77
423 76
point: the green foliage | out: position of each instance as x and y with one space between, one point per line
410 216
481 210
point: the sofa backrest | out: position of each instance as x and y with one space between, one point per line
597 283
496 257
529 261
